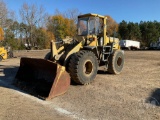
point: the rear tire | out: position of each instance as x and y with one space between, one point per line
116 62
83 67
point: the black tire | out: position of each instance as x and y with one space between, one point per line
83 67
129 48
1 58
10 54
116 62
48 56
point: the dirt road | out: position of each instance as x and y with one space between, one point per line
134 94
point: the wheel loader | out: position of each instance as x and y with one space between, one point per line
5 52
77 60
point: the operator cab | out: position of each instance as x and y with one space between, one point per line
89 24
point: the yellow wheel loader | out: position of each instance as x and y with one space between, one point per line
77 60
3 53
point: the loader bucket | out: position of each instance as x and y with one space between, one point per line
42 78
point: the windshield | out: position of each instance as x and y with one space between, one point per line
88 26
83 26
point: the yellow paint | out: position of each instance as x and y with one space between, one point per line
116 42
92 40
62 69
53 48
75 49
60 49
3 53
103 34
1 34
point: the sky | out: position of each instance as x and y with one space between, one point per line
128 10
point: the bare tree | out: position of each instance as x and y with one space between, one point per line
72 14
3 13
33 16
7 17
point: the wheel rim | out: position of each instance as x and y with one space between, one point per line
88 67
119 61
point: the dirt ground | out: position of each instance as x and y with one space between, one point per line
132 95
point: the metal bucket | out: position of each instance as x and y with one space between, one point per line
42 78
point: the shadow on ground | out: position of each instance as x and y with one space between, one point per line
38 89
7 79
7 76
25 82
103 72
154 97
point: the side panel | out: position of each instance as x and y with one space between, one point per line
116 42
129 43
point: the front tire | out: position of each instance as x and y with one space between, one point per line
83 67
116 62
48 56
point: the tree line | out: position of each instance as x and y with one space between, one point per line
145 31
35 28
